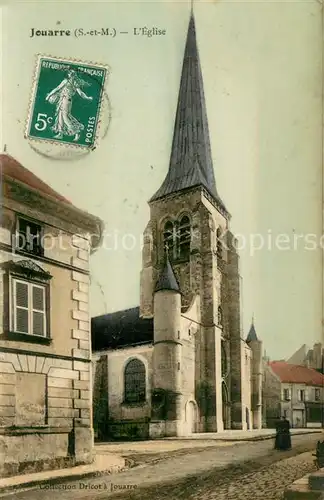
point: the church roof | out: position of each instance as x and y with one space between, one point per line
191 161
10 167
252 334
120 329
167 279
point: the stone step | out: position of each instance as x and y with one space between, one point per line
309 487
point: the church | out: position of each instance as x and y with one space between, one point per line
178 364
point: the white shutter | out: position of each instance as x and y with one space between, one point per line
21 306
38 312
29 308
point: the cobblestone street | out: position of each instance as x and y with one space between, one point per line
238 483
238 471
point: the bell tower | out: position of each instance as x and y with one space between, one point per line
188 217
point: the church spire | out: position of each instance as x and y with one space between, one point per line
191 161
252 333
167 279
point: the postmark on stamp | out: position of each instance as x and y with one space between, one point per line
66 102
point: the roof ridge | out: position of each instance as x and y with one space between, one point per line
12 168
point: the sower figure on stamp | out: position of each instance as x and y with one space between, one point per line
65 123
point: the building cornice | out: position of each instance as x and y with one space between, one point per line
11 250
28 196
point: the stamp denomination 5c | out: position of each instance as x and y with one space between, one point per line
66 102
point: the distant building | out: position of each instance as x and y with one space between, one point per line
177 364
293 391
45 389
313 358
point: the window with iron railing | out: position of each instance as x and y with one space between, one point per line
29 237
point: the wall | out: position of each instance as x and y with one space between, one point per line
271 400
246 363
56 375
191 368
116 362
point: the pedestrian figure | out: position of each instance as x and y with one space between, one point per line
286 435
278 434
283 438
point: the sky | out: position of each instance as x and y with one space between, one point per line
262 69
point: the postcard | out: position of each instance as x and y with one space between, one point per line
161 331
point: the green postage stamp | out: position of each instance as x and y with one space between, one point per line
66 101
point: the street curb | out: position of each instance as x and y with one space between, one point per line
60 479
264 438
246 439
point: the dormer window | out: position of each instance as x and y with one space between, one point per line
29 237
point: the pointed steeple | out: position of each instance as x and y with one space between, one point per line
191 161
252 333
167 279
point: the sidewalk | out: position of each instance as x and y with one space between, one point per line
104 463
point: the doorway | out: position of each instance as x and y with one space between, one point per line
191 417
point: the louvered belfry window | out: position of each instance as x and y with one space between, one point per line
29 308
135 381
184 237
168 237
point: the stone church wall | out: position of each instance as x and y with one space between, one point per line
108 391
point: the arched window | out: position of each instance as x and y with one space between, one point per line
184 237
219 243
220 316
135 382
168 237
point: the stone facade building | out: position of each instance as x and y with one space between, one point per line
45 388
293 391
177 364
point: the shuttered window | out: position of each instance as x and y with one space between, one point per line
29 308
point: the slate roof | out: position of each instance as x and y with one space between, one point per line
167 279
252 334
120 329
191 161
10 167
296 374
